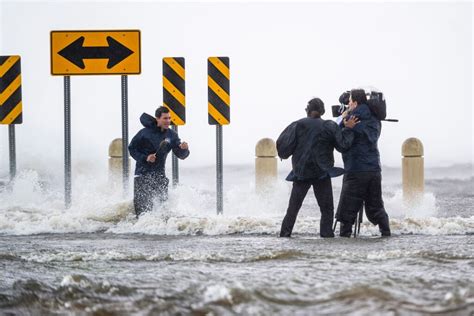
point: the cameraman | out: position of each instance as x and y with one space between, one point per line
362 182
311 142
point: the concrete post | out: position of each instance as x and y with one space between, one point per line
413 170
265 164
115 162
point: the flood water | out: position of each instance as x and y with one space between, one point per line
97 259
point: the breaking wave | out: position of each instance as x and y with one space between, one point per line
220 225
31 209
77 293
216 256
171 256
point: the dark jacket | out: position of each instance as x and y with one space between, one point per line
364 154
311 143
152 139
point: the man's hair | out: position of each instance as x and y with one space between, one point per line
315 104
358 95
160 111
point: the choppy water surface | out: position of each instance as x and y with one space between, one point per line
237 274
96 258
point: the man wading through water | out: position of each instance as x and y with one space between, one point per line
311 142
362 183
149 148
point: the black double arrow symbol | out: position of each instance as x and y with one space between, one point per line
76 52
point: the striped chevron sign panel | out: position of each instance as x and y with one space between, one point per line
218 90
10 90
174 94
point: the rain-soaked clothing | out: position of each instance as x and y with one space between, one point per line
362 183
362 188
364 154
150 178
322 189
311 143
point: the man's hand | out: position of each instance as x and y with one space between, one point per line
151 158
351 122
183 145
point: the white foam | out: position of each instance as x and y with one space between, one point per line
217 293
29 208
70 256
75 280
424 206
458 296
390 254
173 254
191 210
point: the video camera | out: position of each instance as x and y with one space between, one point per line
337 110
375 101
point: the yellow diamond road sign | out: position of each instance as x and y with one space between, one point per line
112 52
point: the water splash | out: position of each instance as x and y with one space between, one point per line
398 207
33 208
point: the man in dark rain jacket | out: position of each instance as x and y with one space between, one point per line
362 181
311 142
149 148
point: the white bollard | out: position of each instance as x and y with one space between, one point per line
413 175
115 163
265 164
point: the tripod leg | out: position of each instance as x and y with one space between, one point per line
358 221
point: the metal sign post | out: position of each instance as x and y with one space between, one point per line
219 171
67 142
125 163
11 138
218 91
175 163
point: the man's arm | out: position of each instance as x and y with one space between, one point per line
134 148
344 137
180 149
286 142
372 130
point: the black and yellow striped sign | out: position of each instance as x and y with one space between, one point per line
174 94
10 90
218 90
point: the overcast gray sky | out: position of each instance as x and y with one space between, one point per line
281 55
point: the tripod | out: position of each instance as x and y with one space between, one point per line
357 222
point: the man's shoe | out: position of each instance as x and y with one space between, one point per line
327 235
384 227
345 230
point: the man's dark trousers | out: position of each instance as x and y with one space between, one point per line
323 192
146 188
358 188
